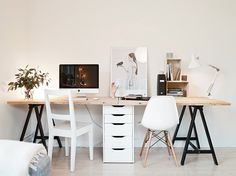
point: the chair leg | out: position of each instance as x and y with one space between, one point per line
144 142
72 154
90 134
172 149
50 146
148 147
66 146
167 143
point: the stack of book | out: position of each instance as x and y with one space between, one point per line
175 92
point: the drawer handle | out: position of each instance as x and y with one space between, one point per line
118 148
118 136
118 114
118 123
118 106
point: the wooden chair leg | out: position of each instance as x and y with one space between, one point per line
167 143
148 148
144 142
172 149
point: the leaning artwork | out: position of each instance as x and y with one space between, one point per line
129 71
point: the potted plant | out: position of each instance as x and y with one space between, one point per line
29 78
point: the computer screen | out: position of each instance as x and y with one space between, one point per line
83 77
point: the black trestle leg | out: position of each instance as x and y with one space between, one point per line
40 125
45 137
208 136
193 115
195 129
26 122
36 133
37 127
177 127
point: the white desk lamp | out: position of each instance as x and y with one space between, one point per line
196 63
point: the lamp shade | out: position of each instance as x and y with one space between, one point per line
194 62
141 54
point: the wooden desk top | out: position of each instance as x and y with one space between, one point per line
197 101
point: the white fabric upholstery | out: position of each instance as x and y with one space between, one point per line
15 157
160 113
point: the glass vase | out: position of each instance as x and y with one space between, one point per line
28 94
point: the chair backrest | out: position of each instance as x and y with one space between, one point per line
51 115
161 113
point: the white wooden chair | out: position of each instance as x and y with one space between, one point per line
160 114
69 128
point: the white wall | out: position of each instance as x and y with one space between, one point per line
13 53
83 31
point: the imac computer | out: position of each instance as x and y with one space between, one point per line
81 78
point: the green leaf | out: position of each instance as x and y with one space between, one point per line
29 78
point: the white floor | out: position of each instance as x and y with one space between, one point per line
159 163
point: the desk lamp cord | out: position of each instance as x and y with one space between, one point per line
91 117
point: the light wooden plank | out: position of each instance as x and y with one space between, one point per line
198 101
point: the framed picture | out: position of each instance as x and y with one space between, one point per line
129 71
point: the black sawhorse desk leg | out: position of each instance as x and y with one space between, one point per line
38 128
188 142
46 137
39 124
177 129
38 114
26 122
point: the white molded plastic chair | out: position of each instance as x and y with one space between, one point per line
160 115
69 128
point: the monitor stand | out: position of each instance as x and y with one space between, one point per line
80 96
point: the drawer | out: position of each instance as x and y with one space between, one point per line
118 129
118 109
118 118
118 142
118 155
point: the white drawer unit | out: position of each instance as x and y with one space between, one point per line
118 155
118 141
117 129
118 133
118 109
118 118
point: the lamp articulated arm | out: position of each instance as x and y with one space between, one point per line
216 68
213 80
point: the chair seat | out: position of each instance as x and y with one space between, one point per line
67 126
64 129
